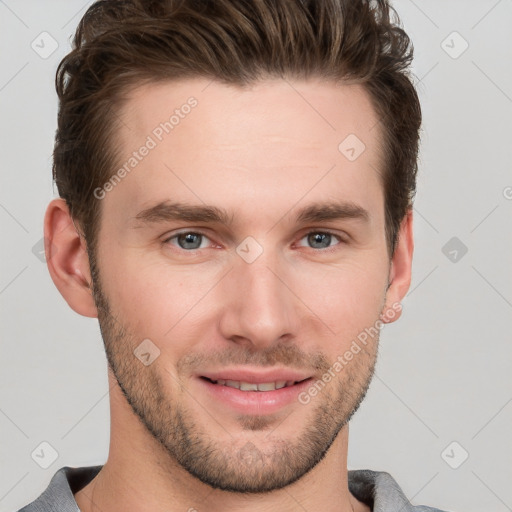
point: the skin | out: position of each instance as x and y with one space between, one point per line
262 153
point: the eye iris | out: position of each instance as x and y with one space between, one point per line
189 240
319 240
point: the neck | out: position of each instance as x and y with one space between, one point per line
139 475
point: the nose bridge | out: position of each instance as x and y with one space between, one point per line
260 308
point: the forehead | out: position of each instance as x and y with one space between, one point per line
268 107
209 140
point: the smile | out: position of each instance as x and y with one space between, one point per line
252 386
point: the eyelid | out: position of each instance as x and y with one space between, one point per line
342 235
342 238
168 237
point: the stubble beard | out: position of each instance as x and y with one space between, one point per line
239 465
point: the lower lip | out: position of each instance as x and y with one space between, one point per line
255 402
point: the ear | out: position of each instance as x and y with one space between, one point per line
67 260
400 271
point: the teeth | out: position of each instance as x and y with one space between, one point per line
247 386
266 386
251 386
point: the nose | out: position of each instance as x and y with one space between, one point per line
259 308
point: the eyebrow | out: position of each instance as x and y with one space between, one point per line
317 212
166 211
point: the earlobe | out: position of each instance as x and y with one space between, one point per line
67 259
400 271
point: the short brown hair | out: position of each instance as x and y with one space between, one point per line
121 43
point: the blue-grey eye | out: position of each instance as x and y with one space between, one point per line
189 240
319 240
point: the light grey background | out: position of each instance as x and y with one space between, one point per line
444 372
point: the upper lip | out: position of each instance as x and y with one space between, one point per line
256 376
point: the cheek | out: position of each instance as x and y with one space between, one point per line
179 303
155 300
345 298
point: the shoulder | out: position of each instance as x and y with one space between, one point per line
59 495
381 492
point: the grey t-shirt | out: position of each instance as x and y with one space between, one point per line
375 488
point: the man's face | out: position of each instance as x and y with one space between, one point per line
263 296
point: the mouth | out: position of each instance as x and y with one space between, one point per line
253 393
254 386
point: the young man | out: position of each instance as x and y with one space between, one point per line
236 181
